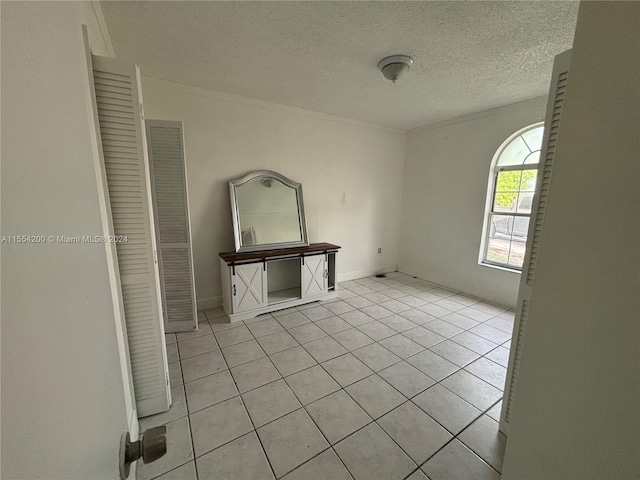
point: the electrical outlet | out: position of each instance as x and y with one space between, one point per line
379 249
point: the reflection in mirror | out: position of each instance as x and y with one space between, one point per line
267 212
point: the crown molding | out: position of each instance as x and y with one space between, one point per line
534 102
228 97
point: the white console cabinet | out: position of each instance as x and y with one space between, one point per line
254 283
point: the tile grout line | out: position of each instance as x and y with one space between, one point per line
188 415
302 407
317 455
374 420
179 418
186 400
467 427
186 404
241 323
254 429
433 287
350 352
374 372
330 446
455 437
426 348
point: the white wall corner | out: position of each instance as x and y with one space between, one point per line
185 89
345 277
531 103
480 292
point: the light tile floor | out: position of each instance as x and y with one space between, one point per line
397 378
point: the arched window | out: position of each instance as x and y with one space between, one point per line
512 183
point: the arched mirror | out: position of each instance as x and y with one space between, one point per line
268 212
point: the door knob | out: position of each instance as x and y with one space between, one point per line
150 447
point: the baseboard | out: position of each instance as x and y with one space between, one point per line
487 295
490 296
344 277
207 303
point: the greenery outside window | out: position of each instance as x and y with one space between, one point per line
512 183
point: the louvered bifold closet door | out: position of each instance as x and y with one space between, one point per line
119 107
557 92
170 201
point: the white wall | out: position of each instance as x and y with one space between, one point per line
63 404
577 408
445 187
351 174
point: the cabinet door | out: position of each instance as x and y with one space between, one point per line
314 275
249 285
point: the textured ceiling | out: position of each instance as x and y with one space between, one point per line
322 56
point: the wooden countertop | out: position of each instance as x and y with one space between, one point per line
231 257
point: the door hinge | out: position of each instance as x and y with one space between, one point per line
326 274
234 290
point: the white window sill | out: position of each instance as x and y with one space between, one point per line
499 267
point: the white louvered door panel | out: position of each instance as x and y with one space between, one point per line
314 276
119 107
557 92
249 285
170 201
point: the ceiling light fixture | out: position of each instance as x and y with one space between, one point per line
395 66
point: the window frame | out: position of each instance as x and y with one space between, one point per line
494 170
